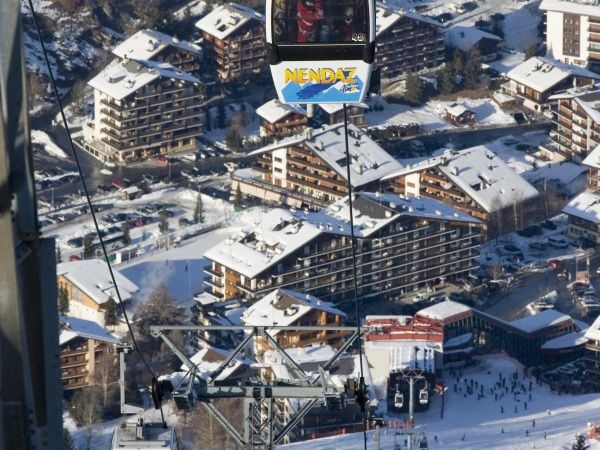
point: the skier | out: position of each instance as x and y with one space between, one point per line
464 436
527 433
502 431
502 410
544 435
533 423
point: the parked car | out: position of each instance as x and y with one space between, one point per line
530 231
548 224
558 241
149 178
538 245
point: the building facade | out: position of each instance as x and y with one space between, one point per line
573 32
402 245
406 42
234 42
149 101
280 120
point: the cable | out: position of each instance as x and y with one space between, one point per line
89 201
355 278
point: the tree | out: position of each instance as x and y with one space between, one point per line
234 140
199 210
63 299
106 376
447 80
78 100
85 410
531 51
579 443
68 440
413 89
110 312
163 225
88 248
126 239
472 72
208 434
58 255
238 199
458 62
221 115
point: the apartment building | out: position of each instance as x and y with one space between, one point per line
474 181
577 120
83 345
592 355
310 169
148 101
402 245
583 211
280 120
573 32
406 42
89 287
286 307
234 42
535 80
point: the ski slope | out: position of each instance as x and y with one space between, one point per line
481 422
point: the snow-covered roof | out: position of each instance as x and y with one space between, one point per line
593 159
386 16
226 18
372 211
210 358
145 44
585 206
463 38
369 162
444 310
566 341
72 327
481 174
278 235
536 322
122 78
541 73
457 110
92 277
315 353
285 307
570 7
274 110
332 108
590 102
593 332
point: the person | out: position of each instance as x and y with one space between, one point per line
310 14
502 431
533 423
544 435
526 432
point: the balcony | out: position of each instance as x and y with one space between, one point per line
208 270
215 284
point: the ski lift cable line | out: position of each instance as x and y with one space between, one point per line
87 195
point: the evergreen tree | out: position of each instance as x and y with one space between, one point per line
413 89
58 255
531 51
68 440
579 443
447 80
88 250
238 199
234 140
221 115
110 312
63 300
458 62
163 225
199 210
126 239
472 71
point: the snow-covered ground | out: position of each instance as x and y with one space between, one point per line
41 138
247 123
430 116
480 421
508 62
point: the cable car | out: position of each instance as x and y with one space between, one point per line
321 51
399 400
423 396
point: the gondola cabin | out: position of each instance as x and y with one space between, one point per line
321 51
398 400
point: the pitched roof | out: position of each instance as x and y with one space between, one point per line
274 110
332 108
585 206
570 7
444 310
226 18
386 16
145 44
285 307
71 327
541 73
593 159
568 340
536 322
122 78
463 38
369 162
481 174
457 110
92 277
209 358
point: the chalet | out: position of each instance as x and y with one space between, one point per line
83 345
334 113
310 168
281 120
208 359
421 46
536 79
88 287
234 42
473 180
474 42
459 115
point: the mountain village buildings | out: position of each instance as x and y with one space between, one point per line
148 101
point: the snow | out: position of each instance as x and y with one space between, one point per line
74 327
546 318
586 206
273 111
93 278
430 116
387 15
593 159
196 8
520 27
481 422
227 18
463 38
444 310
316 353
41 138
566 341
456 110
458 340
210 358
507 63
284 307
570 7
146 44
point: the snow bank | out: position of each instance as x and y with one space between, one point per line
42 138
